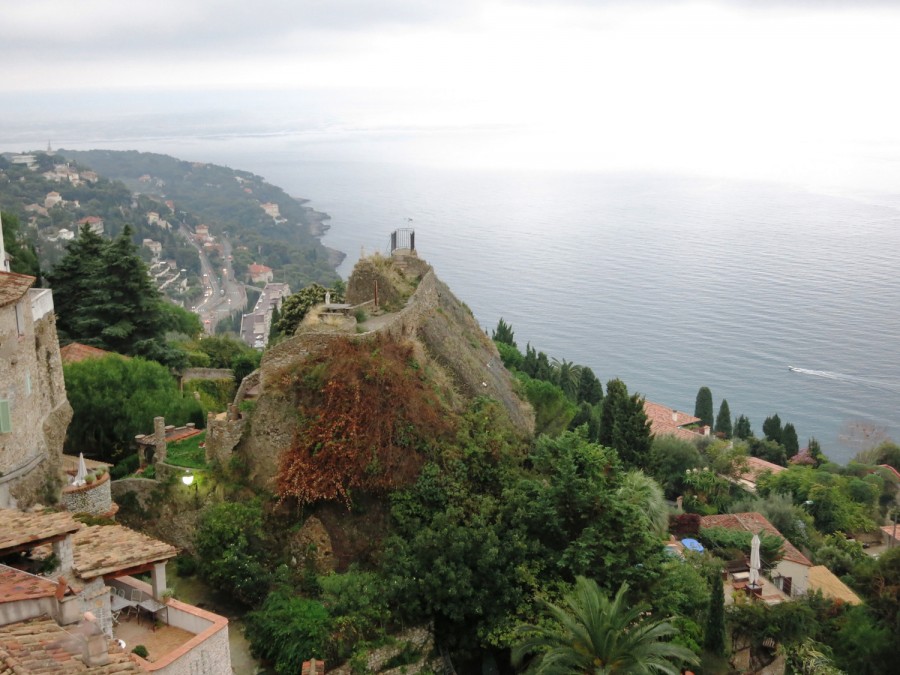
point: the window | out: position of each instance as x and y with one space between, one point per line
5 421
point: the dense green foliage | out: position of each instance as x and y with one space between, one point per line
104 298
288 630
715 620
504 333
114 399
23 256
624 425
233 552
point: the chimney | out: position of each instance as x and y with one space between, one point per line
675 416
313 667
94 651
705 430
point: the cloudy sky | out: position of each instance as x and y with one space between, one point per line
792 89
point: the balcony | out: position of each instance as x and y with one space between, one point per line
180 638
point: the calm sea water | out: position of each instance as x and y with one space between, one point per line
669 283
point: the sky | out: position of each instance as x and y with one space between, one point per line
794 90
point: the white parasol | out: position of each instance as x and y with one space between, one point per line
754 561
82 471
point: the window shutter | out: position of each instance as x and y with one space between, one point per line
5 421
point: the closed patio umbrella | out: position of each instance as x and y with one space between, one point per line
82 471
754 561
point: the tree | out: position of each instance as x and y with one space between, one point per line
714 638
288 630
624 426
23 257
590 634
645 494
231 550
723 420
590 389
789 440
295 306
504 333
742 428
772 428
566 376
703 407
114 399
670 458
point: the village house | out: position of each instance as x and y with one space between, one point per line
260 274
790 575
271 210
201 234
95 223
52 199
666 421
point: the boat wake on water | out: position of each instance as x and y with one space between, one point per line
852 379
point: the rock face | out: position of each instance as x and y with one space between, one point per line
312 546
445 336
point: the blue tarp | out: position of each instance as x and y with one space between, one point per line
692 545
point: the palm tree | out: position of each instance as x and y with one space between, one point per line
592 636
566 376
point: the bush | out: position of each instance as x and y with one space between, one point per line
141 651
126 466
287 630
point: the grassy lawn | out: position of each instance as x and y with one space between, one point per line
188 453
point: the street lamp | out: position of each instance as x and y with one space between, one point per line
187 478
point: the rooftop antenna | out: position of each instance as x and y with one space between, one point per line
49 149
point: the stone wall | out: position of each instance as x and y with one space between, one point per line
221 438
31 381
207 374
94 498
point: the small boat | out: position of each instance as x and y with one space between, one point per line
793 369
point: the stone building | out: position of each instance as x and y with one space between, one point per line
34 411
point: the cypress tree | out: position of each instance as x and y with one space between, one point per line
714 639
590 389
789 440
772 428
529 363
703 408
723 420
624 426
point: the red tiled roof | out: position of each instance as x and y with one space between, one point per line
90 220
105 549
755 523
756 467
40 646
822 579
666 421
13 286
18 585
75 352
18 528
258 269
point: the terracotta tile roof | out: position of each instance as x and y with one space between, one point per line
756 467
39 647
666 421
755 522
18 528
822 579
17 585
258 269
104 549
75 352
890 531
13 286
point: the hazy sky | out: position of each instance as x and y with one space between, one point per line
793 89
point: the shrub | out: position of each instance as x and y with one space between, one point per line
288 630
141 651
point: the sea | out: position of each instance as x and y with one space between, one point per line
781 299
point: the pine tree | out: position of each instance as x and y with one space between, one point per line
714 640
723 420
703 408
529 363
76 281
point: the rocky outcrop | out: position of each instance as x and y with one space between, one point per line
448 342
